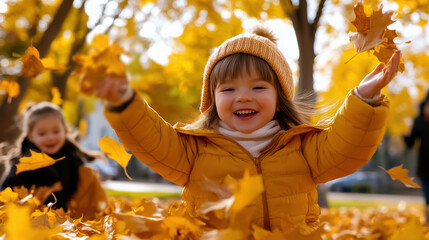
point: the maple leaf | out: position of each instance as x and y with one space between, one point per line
102 61
56 96
246 190
398 173
33 65
116 152
372 34
370 29
12 89
413 230
181 226
35 161
8 195
19 226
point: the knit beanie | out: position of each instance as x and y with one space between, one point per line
259 43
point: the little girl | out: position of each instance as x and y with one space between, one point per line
45 131
251 122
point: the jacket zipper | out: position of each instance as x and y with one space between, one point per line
257 162
265 212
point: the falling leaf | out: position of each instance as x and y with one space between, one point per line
398 173
12 89
56 96
35 161
115 151
246 190
33 65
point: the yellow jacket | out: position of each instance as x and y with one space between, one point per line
291 165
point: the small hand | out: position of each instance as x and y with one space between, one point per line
112 89
372 84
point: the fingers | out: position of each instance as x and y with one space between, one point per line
111 90
393 67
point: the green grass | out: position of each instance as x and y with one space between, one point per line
143 194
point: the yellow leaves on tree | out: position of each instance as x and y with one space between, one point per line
116 152
35 161
398 173
33 65
372 34
11 88
102 61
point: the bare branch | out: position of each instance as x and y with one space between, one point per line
315 23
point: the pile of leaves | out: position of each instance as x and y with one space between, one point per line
22 216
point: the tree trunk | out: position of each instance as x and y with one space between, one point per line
8 127
305 31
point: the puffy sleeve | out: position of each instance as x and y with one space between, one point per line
154 141
349 142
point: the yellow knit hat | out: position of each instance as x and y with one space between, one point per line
258 45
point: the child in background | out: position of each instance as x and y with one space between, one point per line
250 121
420 131
73 185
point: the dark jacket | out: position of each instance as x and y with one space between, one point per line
66 171
420 130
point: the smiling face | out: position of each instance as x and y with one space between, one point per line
48 133
247 102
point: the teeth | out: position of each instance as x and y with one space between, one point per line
245 112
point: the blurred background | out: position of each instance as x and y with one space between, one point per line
167 44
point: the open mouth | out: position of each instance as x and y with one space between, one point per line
245 113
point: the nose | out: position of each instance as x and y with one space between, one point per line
244 96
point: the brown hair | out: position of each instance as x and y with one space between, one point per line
291 113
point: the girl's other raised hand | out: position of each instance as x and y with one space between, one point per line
372 84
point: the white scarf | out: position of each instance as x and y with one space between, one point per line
255 141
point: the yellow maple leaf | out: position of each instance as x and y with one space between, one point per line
246 190
413 230
116 152
181 226
56 96
398 173
19 226
12 89
33 65
35 161
8 195
102 61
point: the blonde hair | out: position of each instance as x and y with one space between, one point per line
290 112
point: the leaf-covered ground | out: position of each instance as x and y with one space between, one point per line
23 217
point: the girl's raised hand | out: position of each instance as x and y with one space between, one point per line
372 84
112 89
